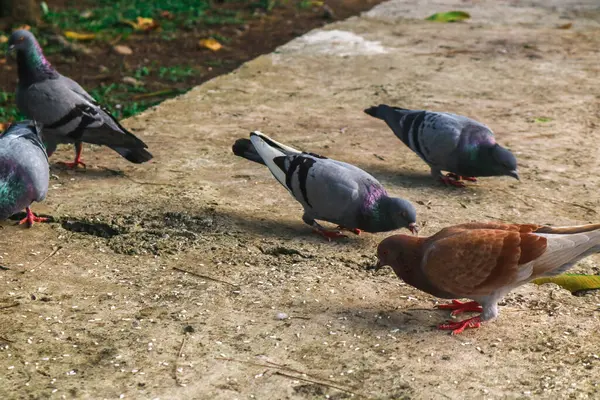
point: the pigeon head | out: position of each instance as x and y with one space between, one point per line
32 66
21 41
400 212
505 162
399 251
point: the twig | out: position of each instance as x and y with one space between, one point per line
205 277
163 92
298 317
315 382
48 256
176 363
5 339
550 200
273 365
124 175
10 306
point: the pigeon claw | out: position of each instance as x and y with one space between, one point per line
75 164
31 218
327 234
459 307
356 231
458 327
449 181
459 177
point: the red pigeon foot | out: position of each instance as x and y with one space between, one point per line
75 164
329 234
460 307
458 327
356 231
449 181
31 218
458 177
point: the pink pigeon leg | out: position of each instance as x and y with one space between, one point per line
77 161
31 218
459 307
356 231
458 327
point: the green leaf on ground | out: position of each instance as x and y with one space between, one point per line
542 120
450 16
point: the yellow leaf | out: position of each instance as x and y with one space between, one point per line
568 25
572 282
210 43
3 38
142 24
146 24
79 36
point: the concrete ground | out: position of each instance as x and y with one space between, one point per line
95 305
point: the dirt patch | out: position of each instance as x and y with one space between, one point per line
148 233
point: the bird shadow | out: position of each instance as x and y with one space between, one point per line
281 229
411 321
96 172
410 179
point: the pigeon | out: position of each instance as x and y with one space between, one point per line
65 112
24 171
448 142
484 261
329 190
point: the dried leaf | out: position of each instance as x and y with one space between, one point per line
572 282
142 24
166 15
79 36
4 125
24 27
210 43
450 16
123 50
568 25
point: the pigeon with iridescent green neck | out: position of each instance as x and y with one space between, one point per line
63 109
329 190
448 142
24 171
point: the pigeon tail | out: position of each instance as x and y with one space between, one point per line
136 156
245 149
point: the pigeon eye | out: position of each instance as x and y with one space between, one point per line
21 38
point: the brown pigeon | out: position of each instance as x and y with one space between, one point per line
484 261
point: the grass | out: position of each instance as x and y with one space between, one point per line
108 20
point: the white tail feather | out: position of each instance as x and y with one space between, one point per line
268 154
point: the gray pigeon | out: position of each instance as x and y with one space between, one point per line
65 112
329 190
447 142
24 171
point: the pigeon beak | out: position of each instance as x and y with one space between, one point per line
514 174
378 266
413 228
10 50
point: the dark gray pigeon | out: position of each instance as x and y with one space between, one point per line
65 112
24 171
329 190
447 142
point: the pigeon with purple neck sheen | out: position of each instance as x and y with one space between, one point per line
329 190
65 112
448 142
24 171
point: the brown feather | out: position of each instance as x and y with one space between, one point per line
532 246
